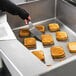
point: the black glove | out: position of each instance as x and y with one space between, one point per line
6 5
23 14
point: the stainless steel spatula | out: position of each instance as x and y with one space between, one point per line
35 31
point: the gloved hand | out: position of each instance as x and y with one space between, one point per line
7 5
24 15
29 19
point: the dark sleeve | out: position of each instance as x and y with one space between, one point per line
7 5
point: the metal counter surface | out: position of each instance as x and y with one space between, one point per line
19 61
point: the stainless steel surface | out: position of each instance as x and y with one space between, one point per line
21 27
67 14
48 58
18 2
3 17
34 31
39 10
5 30
66 68
72 2
19 60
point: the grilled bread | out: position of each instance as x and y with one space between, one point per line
72 47
47 39
41 28
30 42
57 52
54 27
24 32
61 35
39 54
49 65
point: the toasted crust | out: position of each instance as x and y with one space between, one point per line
24 32
57 52
72 47
49 65
30 42
47 39
41 28
39 54
54 27
61 35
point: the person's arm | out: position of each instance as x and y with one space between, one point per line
7 5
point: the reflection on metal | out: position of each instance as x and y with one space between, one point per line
39 10
67 14
5 30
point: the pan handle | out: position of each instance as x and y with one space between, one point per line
73 2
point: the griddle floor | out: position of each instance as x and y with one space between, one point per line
48 58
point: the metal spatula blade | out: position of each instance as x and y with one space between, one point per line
35 31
